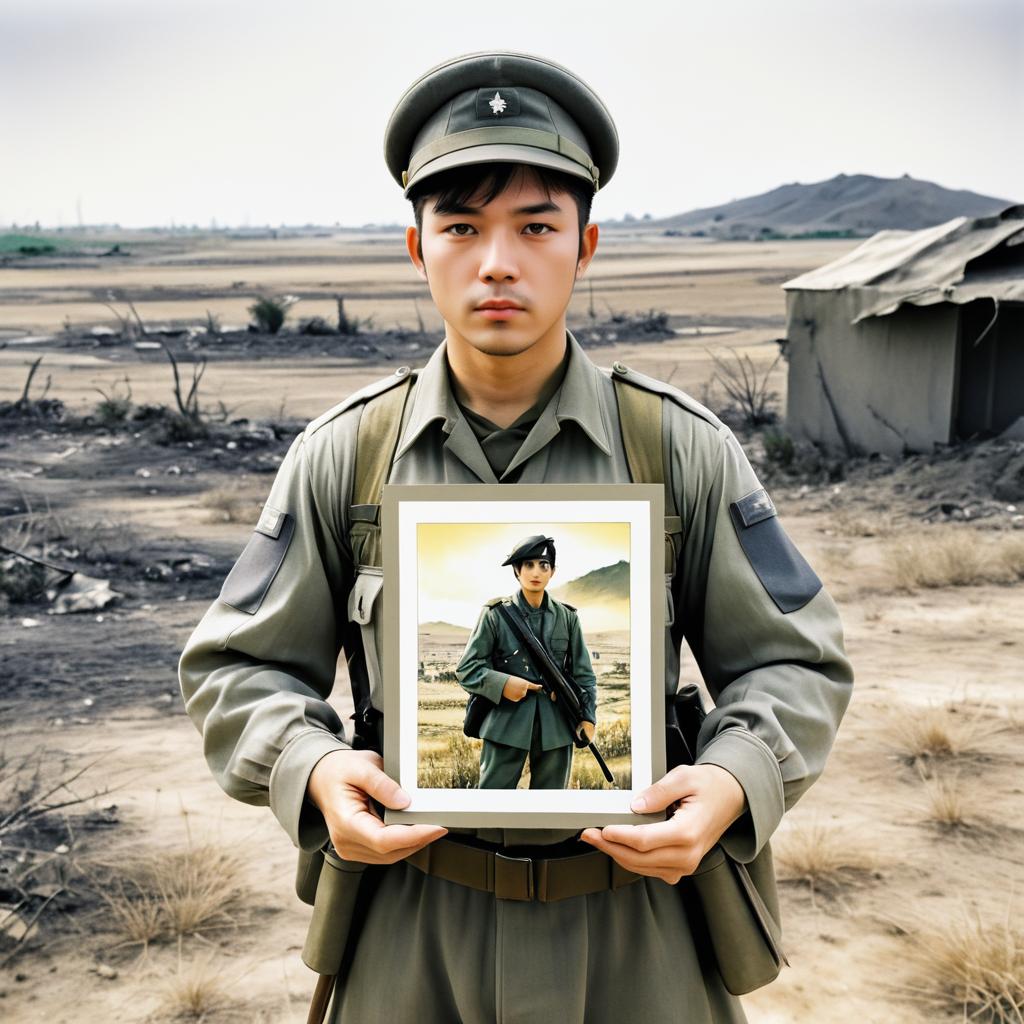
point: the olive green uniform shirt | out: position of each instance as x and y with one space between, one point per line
493 653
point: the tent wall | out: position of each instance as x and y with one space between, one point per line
884 385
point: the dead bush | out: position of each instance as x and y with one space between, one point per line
226 506
970 966
195 992
825 859
944 803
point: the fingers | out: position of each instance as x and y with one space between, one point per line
534 686
669 863
371 779
676 785
364 837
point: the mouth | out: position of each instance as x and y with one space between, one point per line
499 309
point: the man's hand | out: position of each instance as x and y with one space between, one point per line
341 785
587 729
709 800
515 689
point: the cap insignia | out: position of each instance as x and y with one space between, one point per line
497 104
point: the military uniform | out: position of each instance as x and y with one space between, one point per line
533 724
256 672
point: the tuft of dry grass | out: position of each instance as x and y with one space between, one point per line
951 557
224 505
844 523
938 731
825 859
194 992
944 802
972 967
165 895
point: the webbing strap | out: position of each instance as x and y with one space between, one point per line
379 427
640 421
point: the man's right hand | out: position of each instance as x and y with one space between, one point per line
515 689
341 785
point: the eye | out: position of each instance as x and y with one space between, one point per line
538 229
459 230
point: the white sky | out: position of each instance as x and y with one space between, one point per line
255 112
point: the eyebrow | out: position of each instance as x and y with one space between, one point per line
462 211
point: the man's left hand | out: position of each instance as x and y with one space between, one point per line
708 800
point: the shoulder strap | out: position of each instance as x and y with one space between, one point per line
380 427
640 419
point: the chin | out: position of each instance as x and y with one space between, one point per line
495 344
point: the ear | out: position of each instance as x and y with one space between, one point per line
412 246
588 246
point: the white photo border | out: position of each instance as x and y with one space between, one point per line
404 508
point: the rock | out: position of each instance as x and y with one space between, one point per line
105 971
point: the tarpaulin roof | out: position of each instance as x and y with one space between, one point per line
928 266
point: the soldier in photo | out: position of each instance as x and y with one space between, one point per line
500 155
523 717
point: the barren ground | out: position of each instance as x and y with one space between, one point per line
102 685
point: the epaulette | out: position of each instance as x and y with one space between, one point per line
571 607
620 371
494 601
378 387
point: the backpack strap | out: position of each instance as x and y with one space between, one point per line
380 427
640 419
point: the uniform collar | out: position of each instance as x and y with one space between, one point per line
580 399
545 604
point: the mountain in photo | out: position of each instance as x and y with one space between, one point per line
848 205
606 585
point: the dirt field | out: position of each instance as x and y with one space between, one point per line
917 823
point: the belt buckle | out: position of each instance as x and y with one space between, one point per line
513 878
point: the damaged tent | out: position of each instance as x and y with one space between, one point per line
913 338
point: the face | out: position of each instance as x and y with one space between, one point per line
502 275
535 574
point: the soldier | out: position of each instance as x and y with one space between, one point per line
501 154
521 721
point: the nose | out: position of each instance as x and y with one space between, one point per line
498 261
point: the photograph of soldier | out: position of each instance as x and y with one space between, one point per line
524 718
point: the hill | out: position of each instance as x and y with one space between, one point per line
609 584
848 205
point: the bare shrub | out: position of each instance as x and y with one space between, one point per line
1010 556
824 859
949 558
937 731
972 966
745 387
844 523
269 313
615 739
115 408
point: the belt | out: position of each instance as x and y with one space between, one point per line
512 877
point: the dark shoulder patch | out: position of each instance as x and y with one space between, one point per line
250 578
378 387
620 371
782 570
494 601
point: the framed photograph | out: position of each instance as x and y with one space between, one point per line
523 652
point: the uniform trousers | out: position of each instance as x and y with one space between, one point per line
501 765
434 952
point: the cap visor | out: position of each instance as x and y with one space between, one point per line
497 154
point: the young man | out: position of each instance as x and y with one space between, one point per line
494 149
496 666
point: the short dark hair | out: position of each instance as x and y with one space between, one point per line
454 188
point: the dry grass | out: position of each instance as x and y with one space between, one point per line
825 859
224 505
844 523
165 895
972 967
944 802
195 992
938 731
952 557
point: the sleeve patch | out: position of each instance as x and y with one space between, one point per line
782 570
755 507
248 582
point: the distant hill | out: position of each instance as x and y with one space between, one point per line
609 584
848 205
444 629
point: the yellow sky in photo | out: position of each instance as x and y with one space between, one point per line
459 564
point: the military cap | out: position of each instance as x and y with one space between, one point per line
500 107
537 546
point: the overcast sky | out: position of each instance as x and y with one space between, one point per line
251 112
